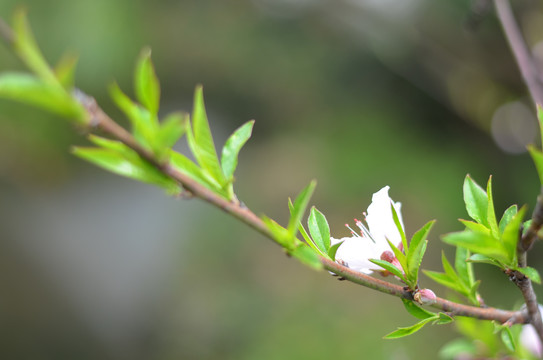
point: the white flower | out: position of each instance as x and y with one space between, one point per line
530 340
372 242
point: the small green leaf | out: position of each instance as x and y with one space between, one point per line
471 225
507 339
483 259
333 250
399 226
280 234
478 243
537 156
144 127
476 201
491 214
507 216
232 147
65 70
464 269
133 167
530 273
186 166
416 310
417 248
449 270
443 279
444 319
389 267
26 47
299 206
319 230
405 331
201 142
457 348
146 83
540 118
29 89
171 130
511 235
307 256
400 256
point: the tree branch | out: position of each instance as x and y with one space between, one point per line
531 78
98 120
523 56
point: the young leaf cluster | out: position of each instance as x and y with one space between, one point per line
490 241
46 88
460 278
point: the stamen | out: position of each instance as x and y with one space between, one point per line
352 231
364 230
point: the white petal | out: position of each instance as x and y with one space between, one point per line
380 220
356 252
530 340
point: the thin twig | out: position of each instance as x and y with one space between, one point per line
524 59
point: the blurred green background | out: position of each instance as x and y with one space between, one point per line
357 94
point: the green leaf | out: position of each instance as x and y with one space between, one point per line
449 270
478 243
416 310
530 273
507 216
400 256
302 230
232 147
201 142
65 70
476 201
333 250
146 83
540 118
29 89
26 47
144 127
133 167
464 269
511 235
405 331
417 248
399 226
537 156
444 319
171 130
507 339
456 348
280 234
483 259
299 206
184 165
471 225
307 256
319 230
389 267
443 279
491 214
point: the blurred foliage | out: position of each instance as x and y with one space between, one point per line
357 94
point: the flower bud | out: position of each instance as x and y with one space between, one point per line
387 256
425 297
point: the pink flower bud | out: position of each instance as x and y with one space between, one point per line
388 256
425 297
